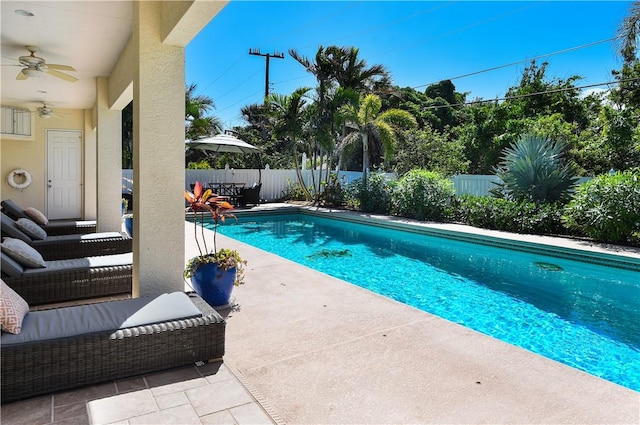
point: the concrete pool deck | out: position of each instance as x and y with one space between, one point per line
305 348
320 350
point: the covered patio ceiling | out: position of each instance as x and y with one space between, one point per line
87 35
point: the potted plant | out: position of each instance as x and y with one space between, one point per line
127 218
128 224
213 273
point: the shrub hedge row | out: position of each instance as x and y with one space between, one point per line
605 209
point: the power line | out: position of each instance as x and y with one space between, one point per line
232 89
532 94
523 61
457 30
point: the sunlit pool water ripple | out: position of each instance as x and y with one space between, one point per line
584 315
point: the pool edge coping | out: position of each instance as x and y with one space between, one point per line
592 252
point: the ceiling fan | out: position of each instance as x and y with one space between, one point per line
46 112
32 65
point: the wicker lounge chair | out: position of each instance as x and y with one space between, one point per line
112 342
71 279
54 227
62 247
251 195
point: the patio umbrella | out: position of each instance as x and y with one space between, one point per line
222 143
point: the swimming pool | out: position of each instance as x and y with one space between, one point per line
582 314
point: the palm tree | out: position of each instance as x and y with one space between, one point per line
341 76
350 72
289 112
629 33
369 125
197 123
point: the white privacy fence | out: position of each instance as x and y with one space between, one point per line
276 183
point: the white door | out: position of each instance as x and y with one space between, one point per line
64 174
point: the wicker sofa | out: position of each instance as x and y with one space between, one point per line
53 227
132 337
71 279
70 246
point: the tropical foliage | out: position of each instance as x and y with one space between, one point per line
202 201
367 125
424 195
607 208
197 121
534 169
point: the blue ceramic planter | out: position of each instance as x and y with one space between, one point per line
128 225
213 284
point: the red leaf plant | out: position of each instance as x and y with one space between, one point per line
202 201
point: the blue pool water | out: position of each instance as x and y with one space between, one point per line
581 314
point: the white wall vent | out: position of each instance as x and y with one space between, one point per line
16 121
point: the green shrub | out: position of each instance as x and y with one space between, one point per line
332 195
510 216
607 208
424 195
200 165
295 192
370 195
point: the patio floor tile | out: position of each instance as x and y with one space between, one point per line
216 397
120 407
84 394
27 412
70 411
219 418
128 385
78 420
180 415
250 414
171 400
175 381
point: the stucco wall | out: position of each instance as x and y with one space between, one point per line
31 155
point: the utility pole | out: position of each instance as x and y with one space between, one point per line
256 52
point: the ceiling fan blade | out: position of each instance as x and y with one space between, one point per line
21 75
60 67
62 75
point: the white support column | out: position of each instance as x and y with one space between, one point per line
90 207
109 160
158 155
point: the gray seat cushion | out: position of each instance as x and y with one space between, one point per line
84 263
102 317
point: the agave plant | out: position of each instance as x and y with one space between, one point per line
534 169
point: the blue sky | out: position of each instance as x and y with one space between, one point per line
419 42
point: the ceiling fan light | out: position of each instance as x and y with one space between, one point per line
45 116
30 72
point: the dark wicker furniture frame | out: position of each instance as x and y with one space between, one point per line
64 250
71 285
251 195
40 368
55 227
52 249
